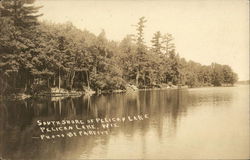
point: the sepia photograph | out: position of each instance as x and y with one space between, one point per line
124 79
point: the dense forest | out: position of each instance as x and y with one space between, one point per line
37 55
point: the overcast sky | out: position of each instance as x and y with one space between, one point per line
205 31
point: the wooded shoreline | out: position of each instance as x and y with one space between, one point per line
37 57
57 96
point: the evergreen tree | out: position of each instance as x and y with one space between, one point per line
18 27
140 33
168 45
23 16
141 57
156 43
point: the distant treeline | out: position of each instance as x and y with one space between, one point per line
38 55
246 82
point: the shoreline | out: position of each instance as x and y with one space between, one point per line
58 96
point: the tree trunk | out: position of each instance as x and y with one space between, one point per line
25 88
26 82
72 76
137 78
59 80
144 80
48 83
54 81
87 79
14 81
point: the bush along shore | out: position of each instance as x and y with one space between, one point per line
42 58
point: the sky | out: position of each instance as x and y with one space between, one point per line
204 31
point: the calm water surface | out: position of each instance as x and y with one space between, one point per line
203 123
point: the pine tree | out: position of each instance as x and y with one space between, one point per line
140 34
156 43
140 57
168 45
22 12
23 18
18 20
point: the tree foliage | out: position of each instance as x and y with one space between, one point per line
39 55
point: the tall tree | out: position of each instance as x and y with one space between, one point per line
168 45
156 43
140 56
140 33
19 21
23 16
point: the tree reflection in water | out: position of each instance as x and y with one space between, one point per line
19 133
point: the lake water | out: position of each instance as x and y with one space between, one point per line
201 123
